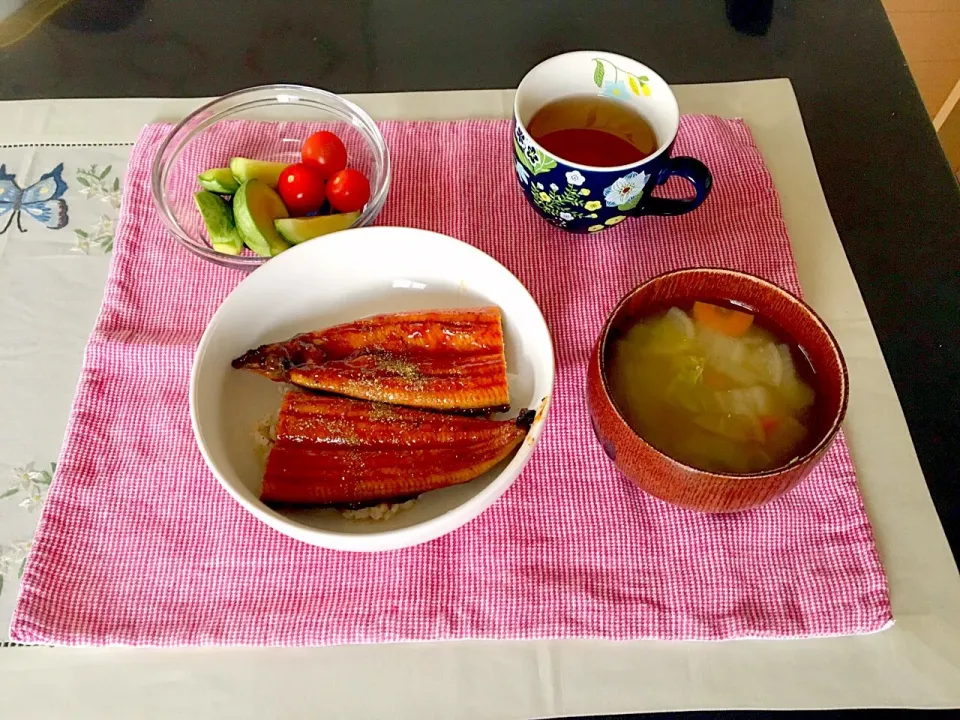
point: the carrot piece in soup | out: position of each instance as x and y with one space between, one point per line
716 380
769 423
722 320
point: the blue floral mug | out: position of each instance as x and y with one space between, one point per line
584 198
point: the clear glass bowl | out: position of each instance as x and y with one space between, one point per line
210 136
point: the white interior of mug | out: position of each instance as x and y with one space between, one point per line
589 72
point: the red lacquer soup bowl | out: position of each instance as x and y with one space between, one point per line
674 481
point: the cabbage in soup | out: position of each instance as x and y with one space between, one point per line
711 387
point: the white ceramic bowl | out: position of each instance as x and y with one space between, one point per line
343 277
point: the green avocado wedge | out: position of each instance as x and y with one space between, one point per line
298 230
244 169
221 228
255 207
219 180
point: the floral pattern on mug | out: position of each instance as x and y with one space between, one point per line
535 161
625 192
617 87
617 90
581 198
560 206
522 173
561 197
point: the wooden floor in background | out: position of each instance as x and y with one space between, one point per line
929 33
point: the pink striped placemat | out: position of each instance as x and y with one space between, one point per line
139 545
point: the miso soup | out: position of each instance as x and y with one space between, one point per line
713 387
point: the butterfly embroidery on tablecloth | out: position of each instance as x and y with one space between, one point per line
42 201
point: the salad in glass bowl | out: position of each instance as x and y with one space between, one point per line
247 176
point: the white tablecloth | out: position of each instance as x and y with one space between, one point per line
51 283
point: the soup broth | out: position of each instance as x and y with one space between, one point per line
593 130
711 386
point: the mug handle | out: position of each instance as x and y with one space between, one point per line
691 170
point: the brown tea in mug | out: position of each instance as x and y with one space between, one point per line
593 130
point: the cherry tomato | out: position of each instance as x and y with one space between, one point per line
348 190
301 187
325 150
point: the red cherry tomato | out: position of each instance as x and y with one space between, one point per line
301 187
325 150
348 190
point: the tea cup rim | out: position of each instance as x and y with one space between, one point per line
663 148
827 436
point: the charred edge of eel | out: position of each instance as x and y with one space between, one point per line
276 360
525 418
399 499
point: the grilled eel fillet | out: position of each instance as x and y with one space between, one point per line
338 451
436 359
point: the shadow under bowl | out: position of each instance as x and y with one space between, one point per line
671 480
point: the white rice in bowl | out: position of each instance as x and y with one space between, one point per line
383 511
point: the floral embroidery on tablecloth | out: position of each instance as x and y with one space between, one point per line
96 183
13 558
29 486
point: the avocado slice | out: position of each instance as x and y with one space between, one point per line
221 228
244 169
219 180
298 230
255 207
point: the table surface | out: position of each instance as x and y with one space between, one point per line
49 295
898 216
836 54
